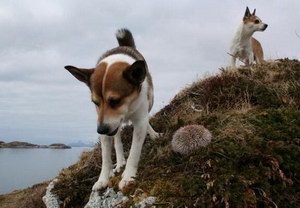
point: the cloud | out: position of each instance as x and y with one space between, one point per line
181 40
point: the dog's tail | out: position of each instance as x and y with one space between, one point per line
125 38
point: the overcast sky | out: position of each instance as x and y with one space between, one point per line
182 41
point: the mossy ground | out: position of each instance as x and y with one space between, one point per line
252 161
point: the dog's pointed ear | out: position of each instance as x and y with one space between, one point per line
136 73
254 12
247 13
82 75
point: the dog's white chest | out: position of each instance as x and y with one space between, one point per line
243 53
241 49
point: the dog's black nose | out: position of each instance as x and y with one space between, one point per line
102 129
266 26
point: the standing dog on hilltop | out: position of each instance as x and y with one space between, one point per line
122 90
244 46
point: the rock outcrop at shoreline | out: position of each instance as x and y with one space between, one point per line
17 144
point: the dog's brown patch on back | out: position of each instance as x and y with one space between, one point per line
150 91
257 51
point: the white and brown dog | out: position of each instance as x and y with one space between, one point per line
122 91
244 47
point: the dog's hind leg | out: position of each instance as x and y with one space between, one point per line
153 134
106 171
250 59
119 152
233 61
139 135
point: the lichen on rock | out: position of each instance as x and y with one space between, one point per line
109 199
50 199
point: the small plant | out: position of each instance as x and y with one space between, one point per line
190 138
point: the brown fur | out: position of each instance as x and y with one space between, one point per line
97 79
150 97
115 82
251 18
109 83
257 51
136 55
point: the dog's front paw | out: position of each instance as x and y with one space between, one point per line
155 135
124 182
103 180
100 184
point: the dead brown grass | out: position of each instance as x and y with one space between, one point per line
272 84
30 197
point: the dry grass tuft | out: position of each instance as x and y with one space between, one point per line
30 197
75 183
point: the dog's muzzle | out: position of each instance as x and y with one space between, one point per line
104 129
265 27
113 133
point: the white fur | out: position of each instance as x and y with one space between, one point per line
121 34
139 135
117 58
106 171
137 113
119 153
241 45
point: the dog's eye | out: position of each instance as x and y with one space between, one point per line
95 102
256 21
113 102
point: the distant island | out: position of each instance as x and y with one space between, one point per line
17 144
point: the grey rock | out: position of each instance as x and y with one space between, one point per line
146 203
50 199
109 199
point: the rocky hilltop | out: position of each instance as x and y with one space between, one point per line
252 161
17 144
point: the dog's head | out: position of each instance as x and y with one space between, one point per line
252 22
113 87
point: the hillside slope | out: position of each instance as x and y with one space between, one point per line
29 197
252 161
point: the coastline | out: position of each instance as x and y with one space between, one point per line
20 145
